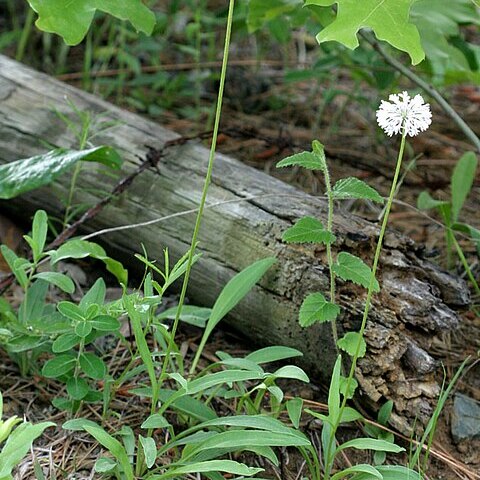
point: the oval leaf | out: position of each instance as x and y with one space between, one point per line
77 388
93 366
58 366
58 279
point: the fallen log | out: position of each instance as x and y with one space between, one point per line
418 301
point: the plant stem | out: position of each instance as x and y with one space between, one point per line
27 27
328 186
369 295
206 185
467 268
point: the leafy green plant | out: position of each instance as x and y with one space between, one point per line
449 210
39 327
17 437
197 449
408 117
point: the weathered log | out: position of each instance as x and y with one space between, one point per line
417 302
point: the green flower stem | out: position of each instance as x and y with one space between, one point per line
328 186
369 296
208 177
27 27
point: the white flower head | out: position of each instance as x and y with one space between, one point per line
403 112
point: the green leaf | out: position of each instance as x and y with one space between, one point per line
114 447
83 329
39 233
227 466
371 444
190 406
58 366
58 279
308 230
235 290
71 311
17 268
350 267
291 371
105 465
352 187
308 160
18 445
389 20
190 314
77 388
201 384
78 424
439 24
273 354
349 342
260 12
294 409
65 342
93 366
315 308
352 386
391 472
385 412
149 450
334 391
24 175
82 249
362 468
348 415
155 421
426 202
105 323
462 181
72 20
241 439
94 296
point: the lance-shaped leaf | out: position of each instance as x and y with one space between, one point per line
72 19
350 267
389 20
27 174
352 187
315 308
308 230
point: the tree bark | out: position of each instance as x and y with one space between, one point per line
418 301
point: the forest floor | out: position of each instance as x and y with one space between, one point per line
260 135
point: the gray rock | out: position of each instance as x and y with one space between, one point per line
465 418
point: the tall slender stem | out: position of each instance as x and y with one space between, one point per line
369 294
328 186
206 184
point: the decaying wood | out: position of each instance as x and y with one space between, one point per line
418 302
